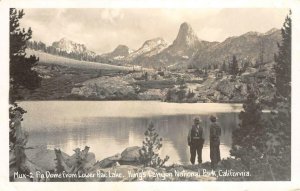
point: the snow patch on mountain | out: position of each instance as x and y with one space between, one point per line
149 48
69 46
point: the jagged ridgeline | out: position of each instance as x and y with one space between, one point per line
187 50
150 72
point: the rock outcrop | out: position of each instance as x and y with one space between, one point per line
180 51
109 88
149 48
130 155
234 89
186 39
43 157
152 94
109 161
69 46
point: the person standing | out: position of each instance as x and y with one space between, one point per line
215 133
195 141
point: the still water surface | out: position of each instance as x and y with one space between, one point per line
108 127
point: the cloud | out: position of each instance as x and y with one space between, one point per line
112 15
104 29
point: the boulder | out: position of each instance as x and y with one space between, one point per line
106 88
43 157
109 162
130 155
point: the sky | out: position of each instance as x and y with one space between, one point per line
102 30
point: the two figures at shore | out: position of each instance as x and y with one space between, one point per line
196 141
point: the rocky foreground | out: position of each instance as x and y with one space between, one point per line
56 166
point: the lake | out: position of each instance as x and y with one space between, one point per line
108 127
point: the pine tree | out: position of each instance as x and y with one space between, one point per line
149 151
248 141
278 144
21 76
265 145
261 52
250 132
224 68
245 65
283 60
21 73
233 67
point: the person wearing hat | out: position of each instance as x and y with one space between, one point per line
195 141
214 136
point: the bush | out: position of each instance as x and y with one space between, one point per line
149 151
15 112
17 141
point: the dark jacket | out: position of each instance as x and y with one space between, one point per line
195 136
215 132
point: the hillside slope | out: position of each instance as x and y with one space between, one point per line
49 59
247 47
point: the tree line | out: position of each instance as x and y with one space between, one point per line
232 66
263 143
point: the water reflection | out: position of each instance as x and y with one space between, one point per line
107 136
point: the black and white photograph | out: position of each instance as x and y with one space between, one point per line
150 94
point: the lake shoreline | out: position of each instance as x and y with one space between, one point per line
116 169
146 100
71 124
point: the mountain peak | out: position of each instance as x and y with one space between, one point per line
120 51
154 42
64 39
149 48
271 31
122 48
186 36
185 25
252 33
69 46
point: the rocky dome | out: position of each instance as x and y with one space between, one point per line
186 36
